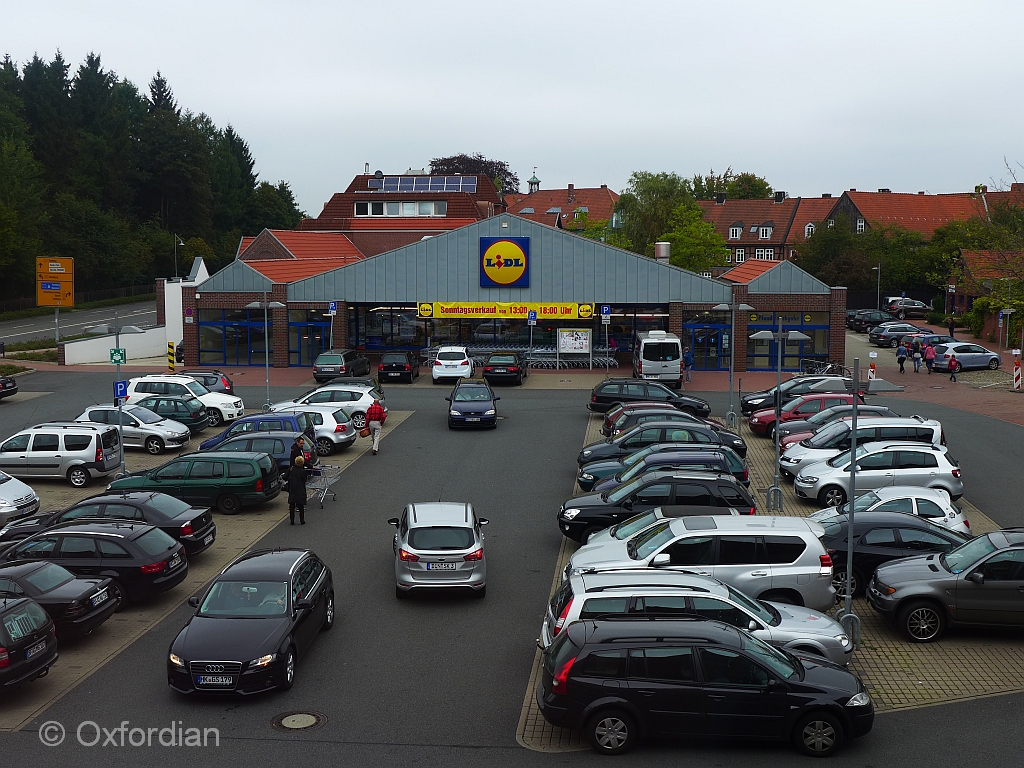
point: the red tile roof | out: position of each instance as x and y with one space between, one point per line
748 270
812 210
290 270
751 213
921 213
993 265
310 245
599 202
372 243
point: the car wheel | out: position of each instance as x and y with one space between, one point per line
993 363
481 593
922 622
216 417
770 432
228 504
611 732
400 593
118 595
839 582
832 496
324 446
359 420
78 477
819 734
286 675
893 343
329 614
588 533
690 411
154 445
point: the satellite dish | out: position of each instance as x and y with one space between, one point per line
378 174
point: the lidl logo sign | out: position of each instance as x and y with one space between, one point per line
586 311
504 262
426 309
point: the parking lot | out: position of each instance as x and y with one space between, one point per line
444 678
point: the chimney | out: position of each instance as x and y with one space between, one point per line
720 198
921 192
780 197
1017 187
572 193
853 189
662 252
604 186
366 170
884 189
826 195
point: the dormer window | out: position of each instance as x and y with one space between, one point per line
808 230
765 233
555 209
735 232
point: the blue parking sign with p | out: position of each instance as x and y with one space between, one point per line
531 315
606 309
332 306
120 389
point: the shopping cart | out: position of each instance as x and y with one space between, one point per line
320 480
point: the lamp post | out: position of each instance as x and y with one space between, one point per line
177 241
781 338
731 420
878 288
265 305
118 330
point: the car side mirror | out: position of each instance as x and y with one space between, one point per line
448 399
303 604
627 504
497 397
660 560
977 577
393 521
753 626
483 521
194 602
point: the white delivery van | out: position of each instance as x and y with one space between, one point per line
659 355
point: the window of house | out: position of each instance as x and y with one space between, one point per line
769 253
740 255
753 230
831 223
765 233
860 225
808 230
440 207
426 209
408 209
728 256
362 209
393 209
554 210
735 233
376 209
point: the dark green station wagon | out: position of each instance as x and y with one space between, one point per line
225 479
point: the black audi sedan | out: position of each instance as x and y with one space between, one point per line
28 641
192 526
140 560
284 597
472 404
76 605
505 366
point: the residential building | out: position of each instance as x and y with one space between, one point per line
564 208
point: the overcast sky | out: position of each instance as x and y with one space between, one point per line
818 97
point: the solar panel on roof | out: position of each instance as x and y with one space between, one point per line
391 183
405 183
469 184
375 183
422 183
437 183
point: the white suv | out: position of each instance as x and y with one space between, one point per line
219 406
452 363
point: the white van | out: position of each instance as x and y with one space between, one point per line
659 355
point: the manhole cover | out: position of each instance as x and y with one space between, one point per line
299 721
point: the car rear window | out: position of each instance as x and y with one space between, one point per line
50 576
80 442
194 405
155 542
23 621
392 358
559 652
450 356
661 351
441 538
238 469
266 464
329 360
341 417
110 439
502 359
167 505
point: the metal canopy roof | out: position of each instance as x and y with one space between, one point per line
237 277
787 277
563 268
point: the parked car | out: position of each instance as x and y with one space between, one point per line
76 605
8 386
890 334
643 594
850 314
880 537
705 460
928 338
630 527
645 434
833 439
594 472
219 407
184 409
140 560
585 514
624 416
904 308
802 407
880 465
967 356
179 352
795 430
977 583
213 380
59 449
277 445
710 673
505 367
192 526
276 421
335 363
227 480
930 504
778 558
17 499
452 363
793 388
613 391
397 366
352 399
332 427
439 544
620 409
255 622
867 319
141 427
29 641
472 404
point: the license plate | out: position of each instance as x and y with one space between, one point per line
451 366
501 370
441 566
37 648
8 386
214 680
329 370
473 418
394 374
174 562
99 597
208 540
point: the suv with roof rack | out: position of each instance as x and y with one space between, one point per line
77 451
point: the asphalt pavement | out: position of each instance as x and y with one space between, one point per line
142 314
442 678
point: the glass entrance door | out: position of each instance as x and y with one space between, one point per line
710 346
306 341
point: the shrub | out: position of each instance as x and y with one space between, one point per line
935 318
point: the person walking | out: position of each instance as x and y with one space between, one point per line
929 356
915 352
375 417
954 365
687 361
952 327
297 490
295 452
901 356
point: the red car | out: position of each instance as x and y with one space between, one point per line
763 422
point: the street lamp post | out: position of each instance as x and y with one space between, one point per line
265 305
120 400
878 288
781 338
177 241
731 420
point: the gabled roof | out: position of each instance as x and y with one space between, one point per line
787 277
238 276
753 213
993 265
812 210
599 203
289 244
748 270
290 270
920 213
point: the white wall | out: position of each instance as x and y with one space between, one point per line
152 343
173 311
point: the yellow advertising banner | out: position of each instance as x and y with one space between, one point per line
443 310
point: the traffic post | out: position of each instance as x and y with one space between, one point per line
170 357
606 321
1016 371
871 366
332 310
531 320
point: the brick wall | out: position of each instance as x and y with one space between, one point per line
279 318
837 326
160 309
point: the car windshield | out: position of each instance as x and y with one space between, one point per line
833 524
472 395
451 356
862 503
167 505
962 558
792 405
246 599
845 456
197 389
50 576
650 541
622 491
502 359
145 415
4 477
778 662
635 524
825 434
633 458
155 542
636 469
440 538
753 606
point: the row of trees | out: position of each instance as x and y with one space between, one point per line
91 167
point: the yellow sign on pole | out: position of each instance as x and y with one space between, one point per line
55 282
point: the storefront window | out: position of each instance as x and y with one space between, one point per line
233 337
763 355
389 328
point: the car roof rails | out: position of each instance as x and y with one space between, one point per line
671 587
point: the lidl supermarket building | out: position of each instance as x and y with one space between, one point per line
476 284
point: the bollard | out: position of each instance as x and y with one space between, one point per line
170 357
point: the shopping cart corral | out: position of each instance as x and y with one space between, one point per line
320 480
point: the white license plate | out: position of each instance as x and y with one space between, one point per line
329 370
208 540
451 366
501 370
173 563
441 566
394 374
8 386
37 648
214 680
98 598
472 418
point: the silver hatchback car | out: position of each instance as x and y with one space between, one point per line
439 544
141 427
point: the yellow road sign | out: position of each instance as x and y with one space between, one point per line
55 282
